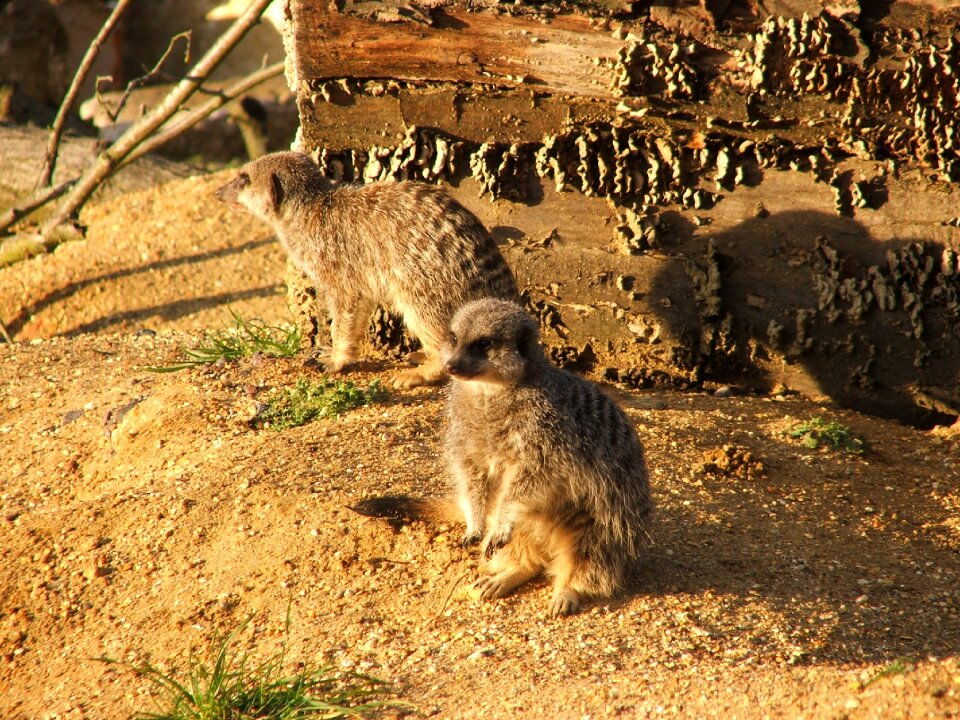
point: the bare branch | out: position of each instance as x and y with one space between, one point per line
151 74
101 101
112 157
186 122
38 199
50 161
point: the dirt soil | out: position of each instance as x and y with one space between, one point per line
142 514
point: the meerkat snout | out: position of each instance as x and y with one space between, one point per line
465 362
498 349
229 194
262 202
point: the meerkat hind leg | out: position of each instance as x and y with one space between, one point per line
567 568
348 323
343 350
565 600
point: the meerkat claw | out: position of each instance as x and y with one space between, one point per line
564 603
490 587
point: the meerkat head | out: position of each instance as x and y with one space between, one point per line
493 342
265 187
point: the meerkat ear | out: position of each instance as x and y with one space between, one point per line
526 339
276 192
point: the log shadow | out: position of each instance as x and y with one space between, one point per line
811 300
16 324
815 561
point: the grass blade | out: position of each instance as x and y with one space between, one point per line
224 685
244 339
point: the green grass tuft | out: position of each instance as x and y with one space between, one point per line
306 401
834 435
225 684
900 666
244 339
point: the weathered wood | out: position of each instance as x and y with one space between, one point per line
561 55
568 53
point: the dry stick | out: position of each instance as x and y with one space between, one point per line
186 122
446 600
50 161
139 82
109 159
38 199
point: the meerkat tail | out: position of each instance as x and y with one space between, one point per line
405 508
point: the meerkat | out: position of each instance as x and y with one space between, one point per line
549 473
406 245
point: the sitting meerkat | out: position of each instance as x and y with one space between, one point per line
549 472
406 245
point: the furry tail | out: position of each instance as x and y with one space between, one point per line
404 509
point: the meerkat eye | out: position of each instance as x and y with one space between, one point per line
481 345
244 179
453 338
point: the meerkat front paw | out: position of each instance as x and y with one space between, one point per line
414 377
565 602
497 539
470 539
492 586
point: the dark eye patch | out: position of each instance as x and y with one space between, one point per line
244 179
481 345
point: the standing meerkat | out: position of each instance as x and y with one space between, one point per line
549 472
406 245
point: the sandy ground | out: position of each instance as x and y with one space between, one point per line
142 514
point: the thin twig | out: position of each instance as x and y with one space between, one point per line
446 600
186 122
232 92
108 161
40 198
151 74
5 334
50 161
